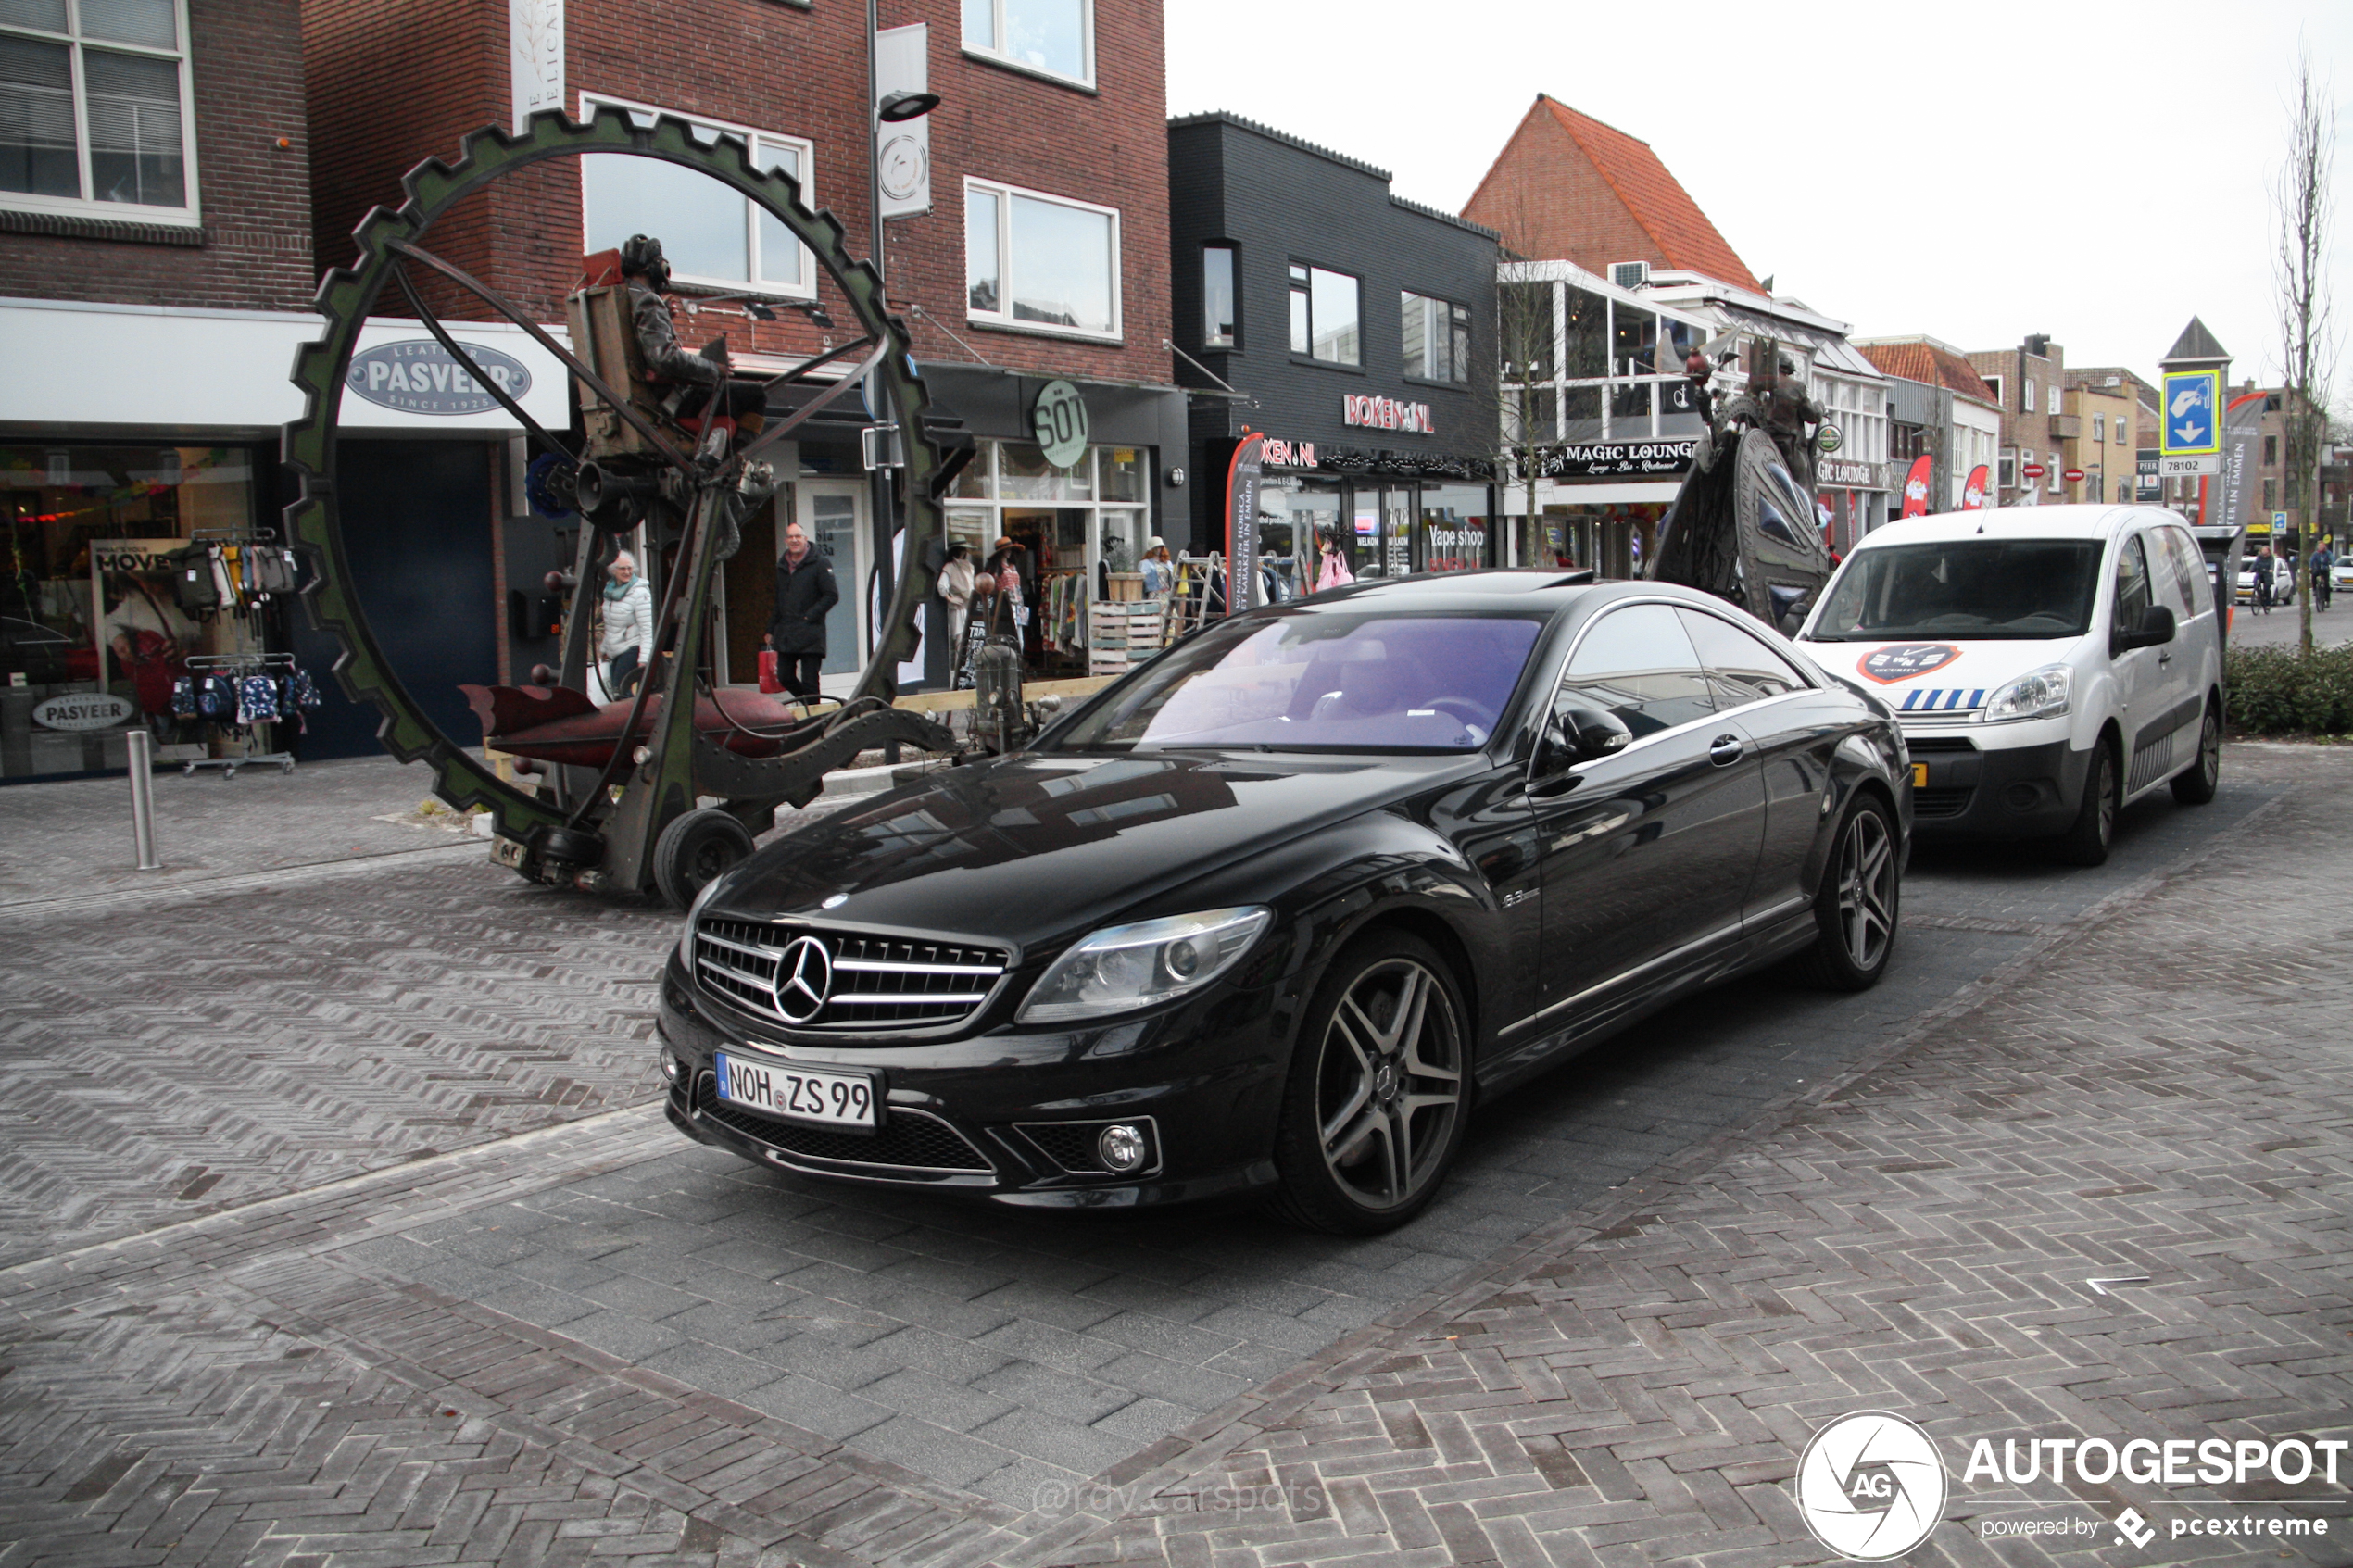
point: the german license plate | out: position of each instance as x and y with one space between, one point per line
507 852
800 1094
1919 775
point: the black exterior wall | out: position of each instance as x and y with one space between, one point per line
1278 201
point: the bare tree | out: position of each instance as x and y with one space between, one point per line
2300 278
1524 386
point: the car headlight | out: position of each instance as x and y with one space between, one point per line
686 933
2038 694
1122 968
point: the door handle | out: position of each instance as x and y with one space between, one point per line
1724 750
2164 659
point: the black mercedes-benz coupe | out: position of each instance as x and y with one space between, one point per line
1276 910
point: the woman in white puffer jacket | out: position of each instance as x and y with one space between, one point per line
628 642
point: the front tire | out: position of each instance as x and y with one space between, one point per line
1856 908
1378 1095
2197 787
2086 843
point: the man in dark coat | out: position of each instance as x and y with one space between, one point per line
805 593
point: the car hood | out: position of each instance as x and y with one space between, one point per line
1921 675
1033 848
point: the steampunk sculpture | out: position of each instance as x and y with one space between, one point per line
1743 527
616 805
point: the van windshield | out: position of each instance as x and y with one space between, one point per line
1983 588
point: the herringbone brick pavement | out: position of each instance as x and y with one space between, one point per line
1624 1387
2169 1097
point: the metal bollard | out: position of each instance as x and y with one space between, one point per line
142 797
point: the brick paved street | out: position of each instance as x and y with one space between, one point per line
1662 1266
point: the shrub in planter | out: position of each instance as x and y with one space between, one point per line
2278 691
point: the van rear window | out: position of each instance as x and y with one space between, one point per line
1968 588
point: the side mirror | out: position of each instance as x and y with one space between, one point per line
1589 733
2155 630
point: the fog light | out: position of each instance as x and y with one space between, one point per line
2022 797
670 1067
1121 1148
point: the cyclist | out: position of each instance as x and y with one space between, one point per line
2324 568
2263 565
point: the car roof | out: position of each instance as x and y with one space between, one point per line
1488 590
2082 521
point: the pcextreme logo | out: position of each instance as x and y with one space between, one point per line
1870 1486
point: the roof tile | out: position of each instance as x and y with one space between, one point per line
1653 199
1927 363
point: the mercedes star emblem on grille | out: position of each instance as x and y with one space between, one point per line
804 974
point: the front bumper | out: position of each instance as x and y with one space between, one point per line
2011 791
987 1116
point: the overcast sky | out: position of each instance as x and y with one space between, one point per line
1974 171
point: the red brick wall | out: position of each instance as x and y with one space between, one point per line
1549 202
255 196
772 67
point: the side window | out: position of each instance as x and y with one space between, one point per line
1639 664
2132 582
1742 667
2188 563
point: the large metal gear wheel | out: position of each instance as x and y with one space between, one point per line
346 297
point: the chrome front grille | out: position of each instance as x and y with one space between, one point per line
878 984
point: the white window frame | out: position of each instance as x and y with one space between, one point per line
2026 390
1005 320
998 56
90 206
645 115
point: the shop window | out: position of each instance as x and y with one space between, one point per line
1324 315
1040 262
1124 473
712 236
1023 474
1217 299
1454 527
1437 338
1052 37
91 108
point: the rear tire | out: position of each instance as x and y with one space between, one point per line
2197 787
694 850
1861 899
1378 1090
2086 843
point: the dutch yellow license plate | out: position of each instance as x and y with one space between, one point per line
1919 775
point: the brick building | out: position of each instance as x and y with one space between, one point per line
1042 256
1940 409
154 268
2028 384
2107 402
1568 188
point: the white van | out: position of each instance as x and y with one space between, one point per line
2049 664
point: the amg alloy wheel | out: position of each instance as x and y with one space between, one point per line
1856 910
1374 1108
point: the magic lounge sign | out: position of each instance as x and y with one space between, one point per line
1609 459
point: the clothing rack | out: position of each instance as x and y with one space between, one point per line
234 664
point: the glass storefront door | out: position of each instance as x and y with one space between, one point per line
1454 527
832 513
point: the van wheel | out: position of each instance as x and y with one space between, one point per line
1377 1093
2197 787
1856 910
2086 843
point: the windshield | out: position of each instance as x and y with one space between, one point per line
1321 680
2020 588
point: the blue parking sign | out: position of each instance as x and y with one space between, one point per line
2192 413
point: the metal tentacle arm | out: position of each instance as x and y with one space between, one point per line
775 434
488 383
853 346
498 302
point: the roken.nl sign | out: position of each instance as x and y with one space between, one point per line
417 376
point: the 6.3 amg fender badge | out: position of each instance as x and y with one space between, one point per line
1903 660
1871 1486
